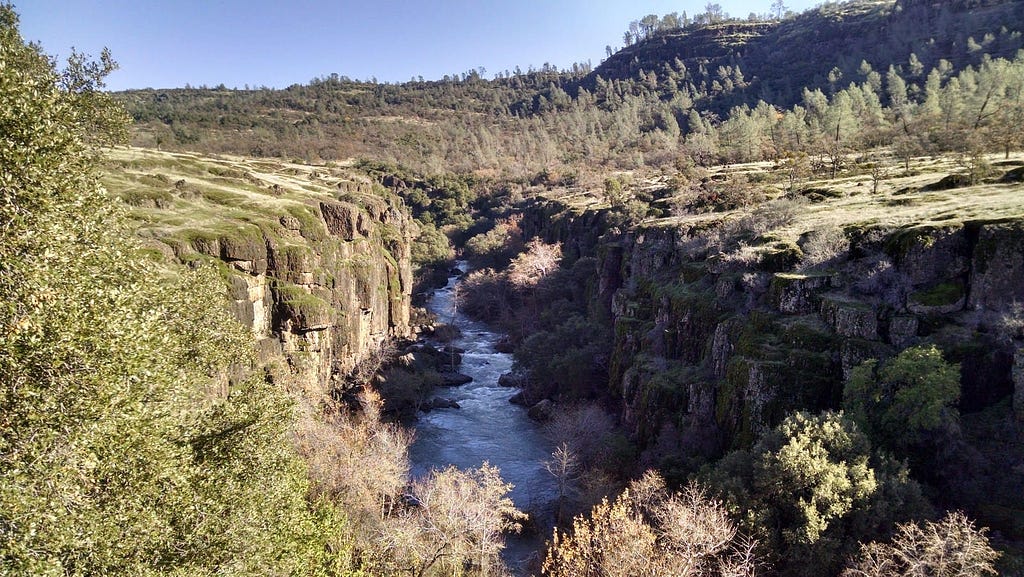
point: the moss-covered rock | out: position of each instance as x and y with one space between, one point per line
944 298
346 221
930 254
849 317
791 293
780 256
299 308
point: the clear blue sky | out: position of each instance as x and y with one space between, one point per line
169 43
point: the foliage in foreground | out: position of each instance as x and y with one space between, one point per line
952 547
123 449
812 488
648 531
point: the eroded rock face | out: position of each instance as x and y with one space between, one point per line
724 349
322 301
997 271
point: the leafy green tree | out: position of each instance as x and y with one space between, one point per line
810 488
823 463
123 447
906 401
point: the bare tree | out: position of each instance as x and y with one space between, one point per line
455 523
565 468
537 262
649 532
952 547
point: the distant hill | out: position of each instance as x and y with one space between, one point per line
780 59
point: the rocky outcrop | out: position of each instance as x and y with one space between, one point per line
320 290
692 326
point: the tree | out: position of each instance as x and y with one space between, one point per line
779 8
811 488
822 462
906 401
455 522
649 532
539 261
714 13
123 447
951 547
565 468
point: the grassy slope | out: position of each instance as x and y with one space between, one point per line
899 201
176 197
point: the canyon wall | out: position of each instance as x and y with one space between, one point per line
711 350
316 259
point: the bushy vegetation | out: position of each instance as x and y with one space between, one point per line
124 445
649 531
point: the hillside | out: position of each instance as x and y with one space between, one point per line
705 329
779 59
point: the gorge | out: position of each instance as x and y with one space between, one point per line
761 299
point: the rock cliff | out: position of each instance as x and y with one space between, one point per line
721 330
316 259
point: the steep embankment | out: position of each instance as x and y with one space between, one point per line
316 258
725 322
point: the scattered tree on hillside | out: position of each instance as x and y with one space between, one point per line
779 9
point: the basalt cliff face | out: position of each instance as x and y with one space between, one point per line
316 260
716 341
746 344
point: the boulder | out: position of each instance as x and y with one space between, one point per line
795 293
454 379
513 379
504 345
542 411
850 318
439 403
290 223
346 221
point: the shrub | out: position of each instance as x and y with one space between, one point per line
905 401
951 547
647 532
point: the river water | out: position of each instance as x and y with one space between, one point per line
487 428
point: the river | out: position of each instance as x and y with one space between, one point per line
487 428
